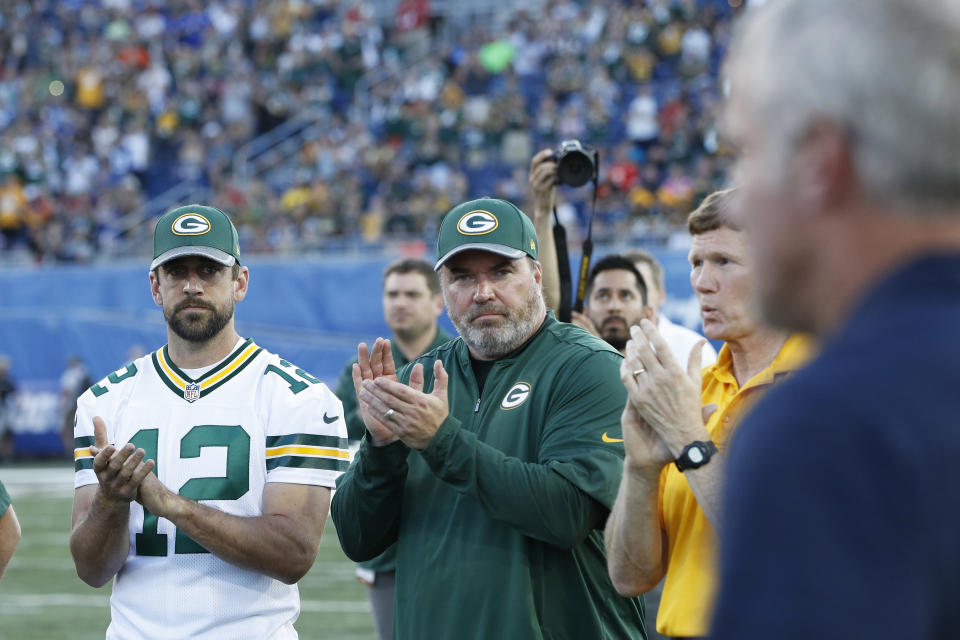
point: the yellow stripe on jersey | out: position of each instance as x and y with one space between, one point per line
207 383
231 367
306 450
177 380
81 453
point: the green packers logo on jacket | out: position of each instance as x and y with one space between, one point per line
516 396
477 223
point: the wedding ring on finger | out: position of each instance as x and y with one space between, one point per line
388 414
637 372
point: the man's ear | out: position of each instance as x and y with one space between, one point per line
241 284
155 288
437 305
823 167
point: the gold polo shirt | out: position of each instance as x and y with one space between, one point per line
686 605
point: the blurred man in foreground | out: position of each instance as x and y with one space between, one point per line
676 424
842 495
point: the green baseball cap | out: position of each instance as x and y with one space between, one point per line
195 230
487 224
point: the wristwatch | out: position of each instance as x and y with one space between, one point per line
695 455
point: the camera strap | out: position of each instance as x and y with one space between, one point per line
563 266
588 243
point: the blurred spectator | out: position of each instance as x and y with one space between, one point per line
642 125
13 211
74 380
8 389
410 27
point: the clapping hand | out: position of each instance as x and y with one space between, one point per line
119 471
666 397
405 411
372 365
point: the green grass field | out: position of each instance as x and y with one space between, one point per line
41 597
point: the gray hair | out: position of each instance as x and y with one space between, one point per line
886 71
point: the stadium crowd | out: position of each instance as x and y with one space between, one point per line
106 104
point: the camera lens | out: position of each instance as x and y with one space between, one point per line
575 169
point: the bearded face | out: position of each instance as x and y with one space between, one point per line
495 303
197 296
494 330
198 320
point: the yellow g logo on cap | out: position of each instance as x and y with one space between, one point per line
477 223
190 224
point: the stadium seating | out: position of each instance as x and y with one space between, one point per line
106 110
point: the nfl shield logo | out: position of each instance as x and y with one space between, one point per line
191 392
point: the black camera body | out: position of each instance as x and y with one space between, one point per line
576 164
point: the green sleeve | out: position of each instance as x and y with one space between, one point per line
568 491
4 499
347 395
366 504
531 497
582 436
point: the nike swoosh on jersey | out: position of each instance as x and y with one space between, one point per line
607 438
330 420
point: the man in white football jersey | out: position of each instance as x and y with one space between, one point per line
203 469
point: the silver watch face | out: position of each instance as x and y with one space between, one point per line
695 455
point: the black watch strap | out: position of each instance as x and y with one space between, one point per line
695 455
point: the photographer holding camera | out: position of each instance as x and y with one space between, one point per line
543 186
571 164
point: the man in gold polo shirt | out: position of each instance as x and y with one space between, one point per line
676 425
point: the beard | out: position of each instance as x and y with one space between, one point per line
195 326
611 334
493 339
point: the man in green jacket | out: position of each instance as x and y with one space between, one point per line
493 460
411 305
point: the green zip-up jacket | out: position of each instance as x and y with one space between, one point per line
498 521
356 428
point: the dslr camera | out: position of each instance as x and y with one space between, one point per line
576 164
